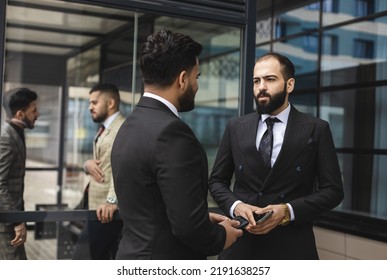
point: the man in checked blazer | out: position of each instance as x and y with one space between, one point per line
103 235
21 109
302 180
159 167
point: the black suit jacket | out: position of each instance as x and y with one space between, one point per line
160 176
306 174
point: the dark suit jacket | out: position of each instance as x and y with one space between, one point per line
12 170
306 174
160 176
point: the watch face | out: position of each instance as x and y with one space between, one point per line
112 200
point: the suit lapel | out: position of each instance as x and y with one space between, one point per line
298 131
246 133
105 135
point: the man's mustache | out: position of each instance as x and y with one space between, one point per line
263 94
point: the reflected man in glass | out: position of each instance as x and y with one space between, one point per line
102 236
21 109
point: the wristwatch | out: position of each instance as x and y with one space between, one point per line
111 200
286 219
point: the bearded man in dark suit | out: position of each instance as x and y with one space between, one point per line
160 169
299 180
21 109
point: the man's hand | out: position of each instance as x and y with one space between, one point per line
105 212
268 225
92 167
217 218
246 210
232 233
20 235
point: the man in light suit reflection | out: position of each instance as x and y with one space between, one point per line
102 236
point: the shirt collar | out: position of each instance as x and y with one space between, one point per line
110 119
163 100
283 116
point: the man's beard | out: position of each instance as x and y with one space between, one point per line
187 100
100 118
28 124
275 101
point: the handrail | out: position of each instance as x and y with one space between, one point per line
50 216
59 215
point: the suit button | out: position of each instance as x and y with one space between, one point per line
282 196
260 194
298 169
240 168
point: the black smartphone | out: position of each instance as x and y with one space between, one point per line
259 218
242 222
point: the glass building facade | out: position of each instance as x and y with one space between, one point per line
60 49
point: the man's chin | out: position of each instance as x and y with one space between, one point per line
262 109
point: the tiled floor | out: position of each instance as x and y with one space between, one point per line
44 249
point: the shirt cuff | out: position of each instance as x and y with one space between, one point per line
85 169
292 217
233 208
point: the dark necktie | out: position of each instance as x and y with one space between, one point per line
266 145
100 131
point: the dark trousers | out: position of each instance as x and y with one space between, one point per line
98 241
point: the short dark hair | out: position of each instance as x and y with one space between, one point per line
287 67
108 89
165 54
17 99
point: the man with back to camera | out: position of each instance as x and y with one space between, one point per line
160 168
103 235
21 109
292 171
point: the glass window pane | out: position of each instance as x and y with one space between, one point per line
379 190
42 141
357 55
296 20
217 99
304 60
305 101
39 188
357 117
263 30
333 107
345 162
367 198
261 50
344 10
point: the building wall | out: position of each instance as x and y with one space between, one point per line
333 245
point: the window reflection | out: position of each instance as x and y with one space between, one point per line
305 61
296 20
77 46
360 56
358 122
217 98
263 30
336 11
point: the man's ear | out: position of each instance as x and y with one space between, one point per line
182 80
20 114
111 103
290 83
